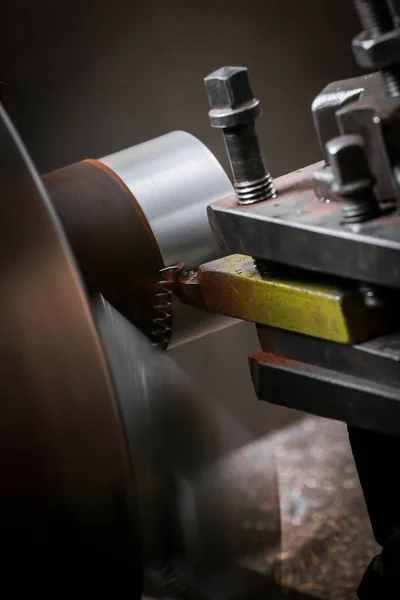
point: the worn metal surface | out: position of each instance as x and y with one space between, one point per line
298 229
234 110
112 241
335 96
333 394
330 309
67 502
327 539
376 359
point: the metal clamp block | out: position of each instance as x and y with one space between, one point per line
334 97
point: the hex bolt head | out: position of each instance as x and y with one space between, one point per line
230 97
228 87
233 109
353 179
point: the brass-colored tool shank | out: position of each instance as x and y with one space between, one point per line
332 309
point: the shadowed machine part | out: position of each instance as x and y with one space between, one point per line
118 476
112 463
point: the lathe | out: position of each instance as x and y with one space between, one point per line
117 476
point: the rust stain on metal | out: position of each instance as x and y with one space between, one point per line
188 290
260 357
295 198
297 181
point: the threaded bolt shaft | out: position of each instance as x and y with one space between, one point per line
375 16
234 110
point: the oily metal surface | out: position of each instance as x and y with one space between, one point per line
66 495
173 178
297 229
330 309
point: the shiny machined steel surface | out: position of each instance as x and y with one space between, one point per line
67 499
173 178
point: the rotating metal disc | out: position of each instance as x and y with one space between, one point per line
201 476
67 499
69 445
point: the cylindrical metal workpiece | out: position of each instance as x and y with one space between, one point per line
132 213
173 178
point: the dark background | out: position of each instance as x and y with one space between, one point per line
86 78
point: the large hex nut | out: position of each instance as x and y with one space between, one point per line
377 52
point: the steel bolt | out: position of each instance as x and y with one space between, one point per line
377 18
353 180
234 110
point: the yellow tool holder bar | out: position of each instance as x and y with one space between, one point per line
329 308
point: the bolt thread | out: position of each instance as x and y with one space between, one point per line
358 209
265 268
252 181
391 78
255 191
376 17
